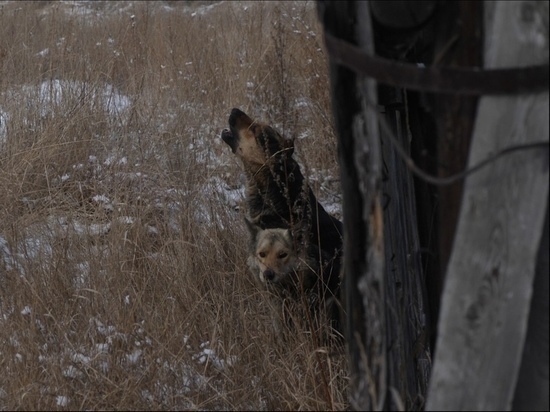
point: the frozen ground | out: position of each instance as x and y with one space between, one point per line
113 169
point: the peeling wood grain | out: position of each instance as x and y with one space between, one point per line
489 284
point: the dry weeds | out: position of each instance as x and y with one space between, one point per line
123 282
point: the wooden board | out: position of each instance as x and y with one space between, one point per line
489 284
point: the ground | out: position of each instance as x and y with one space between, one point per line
123 278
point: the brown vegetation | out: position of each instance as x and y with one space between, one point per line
123 277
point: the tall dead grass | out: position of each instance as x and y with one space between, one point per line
123 282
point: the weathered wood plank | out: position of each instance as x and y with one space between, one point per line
489 283
383 282
533 381
358 144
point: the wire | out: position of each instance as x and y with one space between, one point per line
445 181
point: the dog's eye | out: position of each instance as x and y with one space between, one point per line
283 255
261 254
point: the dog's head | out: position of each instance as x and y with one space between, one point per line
253 142
272 256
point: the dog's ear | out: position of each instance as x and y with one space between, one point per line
288 236
253 228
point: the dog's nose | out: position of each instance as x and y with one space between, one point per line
269 275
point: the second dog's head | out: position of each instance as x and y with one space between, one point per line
253 142
272 257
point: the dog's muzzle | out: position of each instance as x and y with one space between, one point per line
269 275
229 138
239 119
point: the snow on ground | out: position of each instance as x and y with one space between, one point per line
78 361
38 238
4 118
45 98
48 96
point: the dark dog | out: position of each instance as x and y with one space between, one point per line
279 197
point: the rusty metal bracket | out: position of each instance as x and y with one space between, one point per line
469 81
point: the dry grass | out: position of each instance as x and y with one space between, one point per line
123 282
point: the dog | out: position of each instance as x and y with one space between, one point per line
295 280
274 262
277 193
278 196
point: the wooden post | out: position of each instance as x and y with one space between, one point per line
383 290
360 162
489 283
